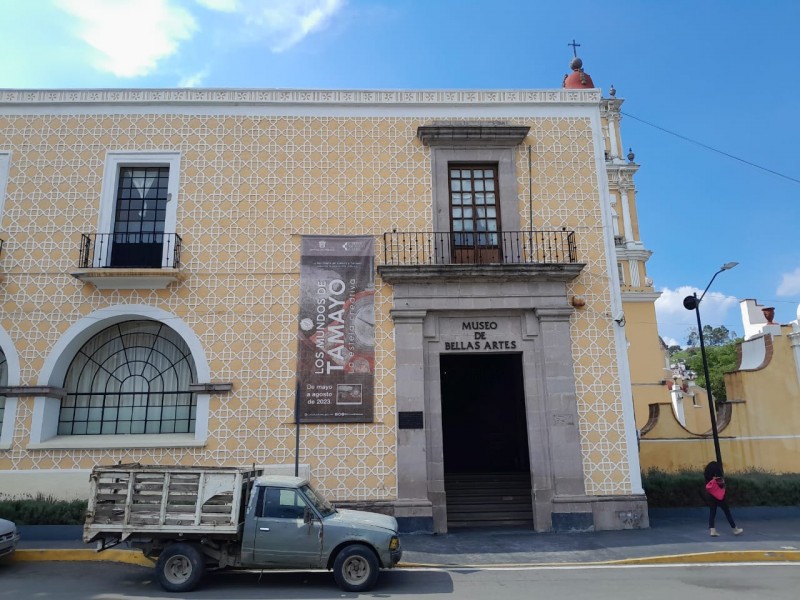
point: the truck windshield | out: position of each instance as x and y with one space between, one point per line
324 507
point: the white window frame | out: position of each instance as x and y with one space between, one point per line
5 166
44 421
108 194
12 369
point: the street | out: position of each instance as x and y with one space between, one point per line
112 581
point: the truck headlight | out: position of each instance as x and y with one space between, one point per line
394 544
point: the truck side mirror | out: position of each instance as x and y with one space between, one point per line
308 515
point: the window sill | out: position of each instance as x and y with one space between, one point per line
129 279
94 442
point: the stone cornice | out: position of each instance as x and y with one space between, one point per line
642 254
611 107
640 296
288 96
30 391
472 134
482 273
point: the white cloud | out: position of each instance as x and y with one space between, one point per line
669 341
283 23
790 284
220 5
194 80
132 36
674 320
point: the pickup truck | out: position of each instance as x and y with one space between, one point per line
195 519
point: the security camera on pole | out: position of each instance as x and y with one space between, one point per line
693 303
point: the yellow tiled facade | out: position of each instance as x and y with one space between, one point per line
256 174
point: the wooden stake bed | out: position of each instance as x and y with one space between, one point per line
157 501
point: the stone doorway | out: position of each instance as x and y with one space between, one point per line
485 440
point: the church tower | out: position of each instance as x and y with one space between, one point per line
646 354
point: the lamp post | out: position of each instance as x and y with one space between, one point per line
693 303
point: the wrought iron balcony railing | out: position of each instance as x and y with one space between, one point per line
501 247
130 250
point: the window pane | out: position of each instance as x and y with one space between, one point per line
456 198
479 199
455 185
467 185
479 185
490 185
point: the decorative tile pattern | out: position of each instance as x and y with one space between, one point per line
250 186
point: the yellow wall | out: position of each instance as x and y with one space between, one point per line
250 186
646 358
762 431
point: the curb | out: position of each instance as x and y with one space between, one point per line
730 557
131 557
135 557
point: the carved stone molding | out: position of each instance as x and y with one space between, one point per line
277 96
30 391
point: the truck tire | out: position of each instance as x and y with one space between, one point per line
180 567
356 568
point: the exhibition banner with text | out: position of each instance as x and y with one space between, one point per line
336 332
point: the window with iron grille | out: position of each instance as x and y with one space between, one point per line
139 218
474 202
131 378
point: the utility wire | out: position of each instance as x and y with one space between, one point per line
707 147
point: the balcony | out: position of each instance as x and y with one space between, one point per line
490 256
130 260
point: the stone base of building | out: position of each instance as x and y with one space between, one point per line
599 513
414 515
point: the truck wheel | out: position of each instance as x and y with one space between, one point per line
356 568
180 567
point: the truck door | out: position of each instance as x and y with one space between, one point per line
282 539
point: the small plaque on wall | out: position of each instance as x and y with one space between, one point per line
411 419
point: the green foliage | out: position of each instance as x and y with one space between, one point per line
721 360
712 336
746 488
43 510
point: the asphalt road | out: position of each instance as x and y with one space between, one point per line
113 581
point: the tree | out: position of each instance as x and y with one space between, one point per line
721 353
712 336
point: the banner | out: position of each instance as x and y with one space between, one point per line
336 332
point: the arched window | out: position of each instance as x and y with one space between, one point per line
131 378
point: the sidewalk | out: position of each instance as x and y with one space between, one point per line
673 537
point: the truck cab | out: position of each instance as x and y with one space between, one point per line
289 525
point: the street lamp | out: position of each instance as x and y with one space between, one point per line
693 303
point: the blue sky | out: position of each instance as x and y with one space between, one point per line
719 72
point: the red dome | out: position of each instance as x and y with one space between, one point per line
577 79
